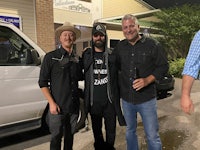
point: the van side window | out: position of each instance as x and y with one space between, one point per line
14 50
5 49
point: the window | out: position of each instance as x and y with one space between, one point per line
85 44
74 48
13 49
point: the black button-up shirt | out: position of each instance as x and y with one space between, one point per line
61 73
149 58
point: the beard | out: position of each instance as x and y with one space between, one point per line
99 44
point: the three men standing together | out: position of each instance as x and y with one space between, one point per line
61 70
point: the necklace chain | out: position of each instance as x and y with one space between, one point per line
100 68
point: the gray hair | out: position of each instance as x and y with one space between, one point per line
130 17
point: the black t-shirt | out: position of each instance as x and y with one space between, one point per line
100 82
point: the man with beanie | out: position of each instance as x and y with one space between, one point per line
59 76
101 89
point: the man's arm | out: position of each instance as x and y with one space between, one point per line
186 102
53 107
190 73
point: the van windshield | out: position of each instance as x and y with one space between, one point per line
14 50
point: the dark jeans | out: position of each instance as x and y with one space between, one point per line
62 125
109 117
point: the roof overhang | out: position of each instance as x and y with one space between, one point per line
115 22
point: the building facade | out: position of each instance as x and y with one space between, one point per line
83 13
35 19
39 18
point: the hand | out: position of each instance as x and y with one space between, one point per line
187 105
54 108
142 82
139 83
85 48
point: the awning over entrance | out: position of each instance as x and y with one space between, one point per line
145 19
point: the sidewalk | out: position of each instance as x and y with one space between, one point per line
178 131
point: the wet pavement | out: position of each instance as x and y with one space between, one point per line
178 130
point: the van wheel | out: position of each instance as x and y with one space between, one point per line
80 123
44 126
82 116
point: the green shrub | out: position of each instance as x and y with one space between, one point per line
176 67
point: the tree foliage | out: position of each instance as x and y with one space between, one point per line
177 25
176 67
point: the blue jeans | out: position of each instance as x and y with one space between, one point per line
148 112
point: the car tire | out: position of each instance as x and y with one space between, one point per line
162 94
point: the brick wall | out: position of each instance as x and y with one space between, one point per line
45 24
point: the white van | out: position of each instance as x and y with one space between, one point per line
21 102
